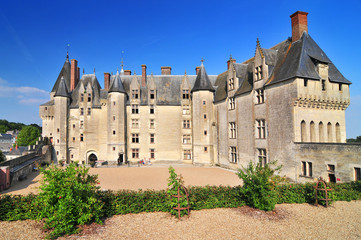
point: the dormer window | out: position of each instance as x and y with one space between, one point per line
135 93
89 97
230 84
151 94
185 94
82 97
258 73
323 82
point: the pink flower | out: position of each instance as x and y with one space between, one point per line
290 186
59 197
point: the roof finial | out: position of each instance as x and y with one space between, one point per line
83 71
94 70
230 57
122 64
185 72
260 49
67 51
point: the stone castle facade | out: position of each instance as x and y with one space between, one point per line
286 103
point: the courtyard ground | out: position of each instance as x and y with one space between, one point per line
144 177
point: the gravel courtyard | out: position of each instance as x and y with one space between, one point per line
289 221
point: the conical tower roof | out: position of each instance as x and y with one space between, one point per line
62 90
117 85
65 72
202 82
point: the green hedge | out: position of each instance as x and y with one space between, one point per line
17 207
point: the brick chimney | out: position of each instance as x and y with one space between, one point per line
229 61
106 81
78 76
73 74
166 70
144 75
197 70
299 24
127 72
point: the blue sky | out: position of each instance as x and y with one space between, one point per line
34 36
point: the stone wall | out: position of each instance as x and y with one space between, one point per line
344 156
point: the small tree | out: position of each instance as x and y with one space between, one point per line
175 182
257 190
68 199
28 136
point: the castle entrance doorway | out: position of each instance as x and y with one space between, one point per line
92 159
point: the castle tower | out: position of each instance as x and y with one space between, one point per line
202 118
117 125
61 104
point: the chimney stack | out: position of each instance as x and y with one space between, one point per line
229 62
299 24
197 70
73 74
78 76
144 75
106 81
127 72
166 70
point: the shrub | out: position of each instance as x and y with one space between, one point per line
17 207
175 182
68 198
257 190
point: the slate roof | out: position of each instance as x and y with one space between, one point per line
62 90
84 82
202 81
117 85
65 72
299 59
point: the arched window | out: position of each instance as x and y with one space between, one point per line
321 132
303 131
312 132
338 133
329 132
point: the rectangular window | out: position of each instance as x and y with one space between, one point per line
81 124
232 103
233 154
151 94
262 156
135 152
357 174
81 137
232 130
89 97
187 154
185 94
73 125
205 149
135 138
205 132
135 123
135 108
186 124
152 153
89 111
113 148
81 97
331 173
258 73
186 110
151 123
113 118
340 86
230 84
204 102
261 129
305 81
113 132
186 139
306 169
205 116
323 85
135 94
57 130
81 111
73 139
151 109
260 96
152 138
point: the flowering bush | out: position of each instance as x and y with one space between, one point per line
68 198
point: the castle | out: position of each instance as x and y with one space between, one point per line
286 103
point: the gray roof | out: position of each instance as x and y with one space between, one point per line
87 79
202 81
117 85
65 72
62 90
300 61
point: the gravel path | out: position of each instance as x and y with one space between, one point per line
289 221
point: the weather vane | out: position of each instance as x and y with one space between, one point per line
202 60
122 60
67 50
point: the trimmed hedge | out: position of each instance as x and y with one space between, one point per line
17 207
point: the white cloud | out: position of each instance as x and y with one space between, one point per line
24 94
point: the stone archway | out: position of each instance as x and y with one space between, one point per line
92 159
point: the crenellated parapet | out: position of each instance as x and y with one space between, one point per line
310 101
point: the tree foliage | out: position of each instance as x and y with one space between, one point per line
7 126
28 136
357 139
